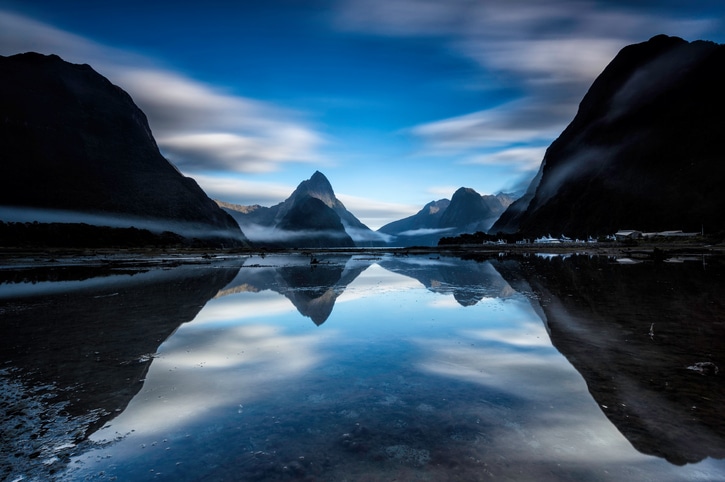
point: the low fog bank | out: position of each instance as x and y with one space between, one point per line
269 234
425 231
366 236
11 214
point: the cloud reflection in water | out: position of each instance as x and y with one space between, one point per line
400 382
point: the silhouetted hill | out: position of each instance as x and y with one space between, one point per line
645 150
73 142
313 210
466 212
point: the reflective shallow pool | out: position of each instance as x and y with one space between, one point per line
366 368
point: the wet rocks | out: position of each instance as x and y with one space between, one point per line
408 455
356 440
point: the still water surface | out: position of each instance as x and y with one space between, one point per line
366 368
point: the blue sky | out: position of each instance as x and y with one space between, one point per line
397 102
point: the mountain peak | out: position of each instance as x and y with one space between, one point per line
318 177
464 191
318 187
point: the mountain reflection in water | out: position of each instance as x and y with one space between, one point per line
75 345
312 283
436 368
649 339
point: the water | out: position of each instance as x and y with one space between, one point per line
366 367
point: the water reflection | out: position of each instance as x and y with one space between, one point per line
427 368
649 338
467 280
311 283
75 345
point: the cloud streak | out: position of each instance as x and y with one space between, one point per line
550 52
526 120
525 158
198 127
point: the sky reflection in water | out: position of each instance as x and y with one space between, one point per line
401 381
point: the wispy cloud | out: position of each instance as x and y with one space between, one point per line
197 126
549 51
442 191
424 231
526 120
240 191
525 158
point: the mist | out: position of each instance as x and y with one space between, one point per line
424 231
266 234
12 214
361 235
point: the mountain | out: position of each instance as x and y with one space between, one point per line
422 228
644 151
76 149
311 217
471 212
466 212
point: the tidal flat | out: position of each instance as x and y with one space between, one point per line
365 365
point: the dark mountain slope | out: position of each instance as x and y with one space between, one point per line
316 224
645 150
73 141
470 211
